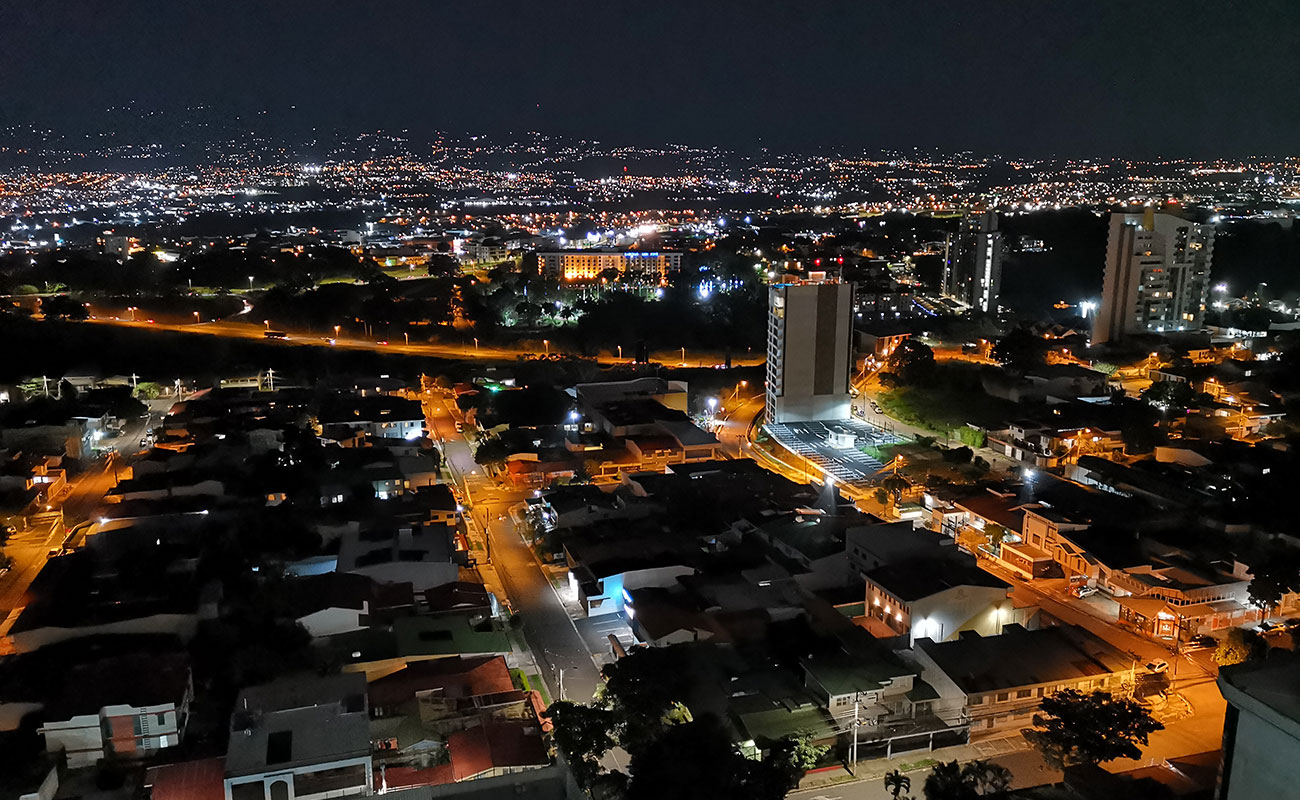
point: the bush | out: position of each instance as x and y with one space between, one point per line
972 437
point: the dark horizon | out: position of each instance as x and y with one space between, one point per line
1172 80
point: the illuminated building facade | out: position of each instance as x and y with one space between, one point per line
972 270
587 266
1157 275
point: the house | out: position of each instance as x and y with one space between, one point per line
421 554
126 706
936 591
383 649
338 602
1261 730
428 700
380 416
607 562
305 737
998 682
494 749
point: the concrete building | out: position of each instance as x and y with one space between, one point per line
1157 275
120 707
1261 730
588 266
300 738
809 351
973 267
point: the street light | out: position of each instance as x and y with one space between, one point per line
407 334
196 318
475 344
683 355
620 352
336 331
547 344
267 323
250 283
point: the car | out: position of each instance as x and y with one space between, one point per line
1157 666
1085 591
1268 625
1202 642
1292 622
382 341
55 552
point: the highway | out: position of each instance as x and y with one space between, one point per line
241 329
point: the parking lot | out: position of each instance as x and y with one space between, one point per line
844 462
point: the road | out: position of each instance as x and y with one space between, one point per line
549 632
240 329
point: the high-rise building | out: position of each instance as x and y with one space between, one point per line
588 266
1157 275
809 351
972 270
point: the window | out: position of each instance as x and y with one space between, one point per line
162 720
1023 693
1002 697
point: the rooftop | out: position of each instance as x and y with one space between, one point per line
296 721
1020 657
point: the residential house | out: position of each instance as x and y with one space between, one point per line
125 706
1261 730
301 738
998 682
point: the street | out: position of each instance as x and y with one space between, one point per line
549 632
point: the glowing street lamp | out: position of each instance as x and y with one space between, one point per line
196 318
267 323
475 344
547 344
336 331
250 283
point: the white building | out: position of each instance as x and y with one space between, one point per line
809 351
300 738
122 707
1157 275
585 266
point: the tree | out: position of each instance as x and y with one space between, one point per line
971 437
585 734
698 760
953 781
1078 728
1020 350
1170 396
148 390
61 306
1240 645
491 453
896 783
644 689
1274 571
912 362
795 755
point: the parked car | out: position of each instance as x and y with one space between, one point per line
1202 642
1268 625
1085 591
1157 666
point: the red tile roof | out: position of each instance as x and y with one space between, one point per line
456 677
189 780
505 744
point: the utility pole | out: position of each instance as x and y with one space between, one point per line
853 750
270 377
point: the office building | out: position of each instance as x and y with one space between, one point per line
1157 275
809 351
589 266
972 272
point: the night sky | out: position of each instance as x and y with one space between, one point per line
1034 78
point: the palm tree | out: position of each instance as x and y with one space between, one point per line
896 783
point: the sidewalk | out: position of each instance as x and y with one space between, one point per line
874 770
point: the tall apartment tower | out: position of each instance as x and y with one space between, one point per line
1157 275
809 351
972 270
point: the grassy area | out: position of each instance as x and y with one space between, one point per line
953 399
